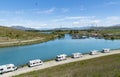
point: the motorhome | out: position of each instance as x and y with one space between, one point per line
94 52
35 62
77 55
106 50
7 68
61 57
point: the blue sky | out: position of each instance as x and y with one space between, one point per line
59 13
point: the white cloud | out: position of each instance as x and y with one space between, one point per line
86 22
73 18
64 10
108 4
76 23
112 3
95 21
113 18
80 17
19 12
12 12
64 21
48 11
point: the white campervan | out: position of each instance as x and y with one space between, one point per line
94 52
36 62
77 55
7 68
61 57
106 50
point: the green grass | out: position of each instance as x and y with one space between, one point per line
8 35
108 66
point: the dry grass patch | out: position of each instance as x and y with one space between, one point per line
108 66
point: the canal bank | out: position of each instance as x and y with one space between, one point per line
48 50
54 63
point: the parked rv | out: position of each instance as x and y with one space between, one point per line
106 50
7 68
77 55
61 57
94 52
36 62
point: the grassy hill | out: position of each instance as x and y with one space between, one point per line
10 35
108 66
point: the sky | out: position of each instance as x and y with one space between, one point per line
59 13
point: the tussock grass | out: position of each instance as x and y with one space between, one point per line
10 35
108 66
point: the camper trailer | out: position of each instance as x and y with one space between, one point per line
7 68
36 62
61 57
77 55
94 52
106 50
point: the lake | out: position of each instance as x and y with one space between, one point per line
22 54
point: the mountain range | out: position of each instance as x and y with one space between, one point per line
22 28
73 28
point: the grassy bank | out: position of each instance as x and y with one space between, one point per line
15 37
108 66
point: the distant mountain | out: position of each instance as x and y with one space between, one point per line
22 28
89 27
110 27
117 25
74 28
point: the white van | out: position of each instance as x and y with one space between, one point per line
106 50
94 52
35 62
77 55
7 68
61 57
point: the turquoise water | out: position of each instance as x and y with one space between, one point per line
48 50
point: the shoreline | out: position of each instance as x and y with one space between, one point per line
24 42
30 42
52 63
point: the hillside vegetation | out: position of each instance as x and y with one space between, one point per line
10 35
107 66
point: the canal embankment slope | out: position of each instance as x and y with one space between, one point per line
54 63
13 37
